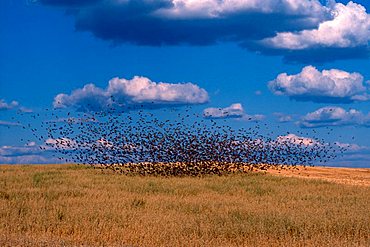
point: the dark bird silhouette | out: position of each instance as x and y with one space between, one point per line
135 141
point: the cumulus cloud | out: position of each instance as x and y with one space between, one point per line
348 154
297 140
30 153
307 141
173 22
28 159
215 8
233 111
351 147
345 35
9 151
25 109
255 117
8 106
334 86
334 116
60 144
354 156
32 148
13 105
283 118
354 160
350 27
285 27
123 93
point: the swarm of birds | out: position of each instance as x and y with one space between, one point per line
173 142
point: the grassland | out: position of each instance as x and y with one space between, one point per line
68 205
350 176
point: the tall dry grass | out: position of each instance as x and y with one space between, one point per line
69 205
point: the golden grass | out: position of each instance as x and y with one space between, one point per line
68 205
351 176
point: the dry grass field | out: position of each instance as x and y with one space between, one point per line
68 205
350 176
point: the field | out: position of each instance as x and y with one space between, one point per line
69 205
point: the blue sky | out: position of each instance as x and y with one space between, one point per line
235 53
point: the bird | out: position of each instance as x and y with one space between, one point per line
149 140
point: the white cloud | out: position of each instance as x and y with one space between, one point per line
219 9
233 111
353 155
9 124
30 153
333 85
351 147
88 97
28 159
141 89
31 144
19 150
25 109
258 92
297 140
349 27
194 22
283 118
334 116
122 93
60 144
8 106
255 117
12 105
270 26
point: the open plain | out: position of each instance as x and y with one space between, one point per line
70 205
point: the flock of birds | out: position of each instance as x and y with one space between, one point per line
172 142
